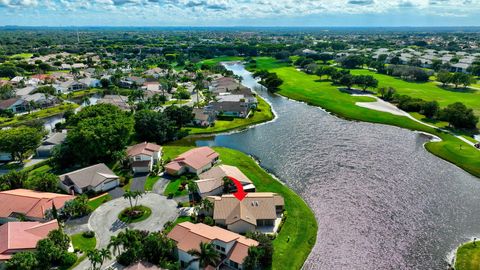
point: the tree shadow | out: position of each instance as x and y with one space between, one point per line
458 90
354 91
118 225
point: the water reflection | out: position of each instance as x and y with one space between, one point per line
381 201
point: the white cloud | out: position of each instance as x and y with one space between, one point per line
235 9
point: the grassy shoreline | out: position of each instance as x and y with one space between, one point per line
308 88
300 225
468 257
263 114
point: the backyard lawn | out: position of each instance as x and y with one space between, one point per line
300 225
468 257
262 114
82 243
308 88
44 113
217 60
174 189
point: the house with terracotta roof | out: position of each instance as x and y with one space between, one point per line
22 236
211 182
29 204
197 160
16 105
143 156
96 178
261 211
232 247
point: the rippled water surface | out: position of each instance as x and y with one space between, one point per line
381 200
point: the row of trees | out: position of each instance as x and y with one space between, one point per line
270 80
20 142
456 78
51 252
97 134
457 114
408 73
131 246
39 181
163 126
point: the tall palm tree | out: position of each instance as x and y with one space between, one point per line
105 254
207 205
128 195
95 258
207 255
115 244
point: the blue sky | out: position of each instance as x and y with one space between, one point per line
240 12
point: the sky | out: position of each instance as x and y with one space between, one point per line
240 12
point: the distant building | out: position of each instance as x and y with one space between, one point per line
45 150
202 118
96 178
16 105
117 100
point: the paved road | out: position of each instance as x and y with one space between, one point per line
138 182
104 221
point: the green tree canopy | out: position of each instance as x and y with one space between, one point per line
20 141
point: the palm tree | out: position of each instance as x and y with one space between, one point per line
95 258
115 244
137 195
128 195
207 205
105 254
207 255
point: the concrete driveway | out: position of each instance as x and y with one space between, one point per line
104 221
138 182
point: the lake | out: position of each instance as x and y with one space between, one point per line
380 199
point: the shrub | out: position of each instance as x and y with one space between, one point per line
88 234
209 221
68 259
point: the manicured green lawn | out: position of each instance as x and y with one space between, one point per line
44 113
78 94
175 101
173 188
83 243
262 114
146 212
300 224
22 55
428 91
177 221
95 203
468 257
308 88
217 60
151 180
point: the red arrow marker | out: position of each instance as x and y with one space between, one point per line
240 194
